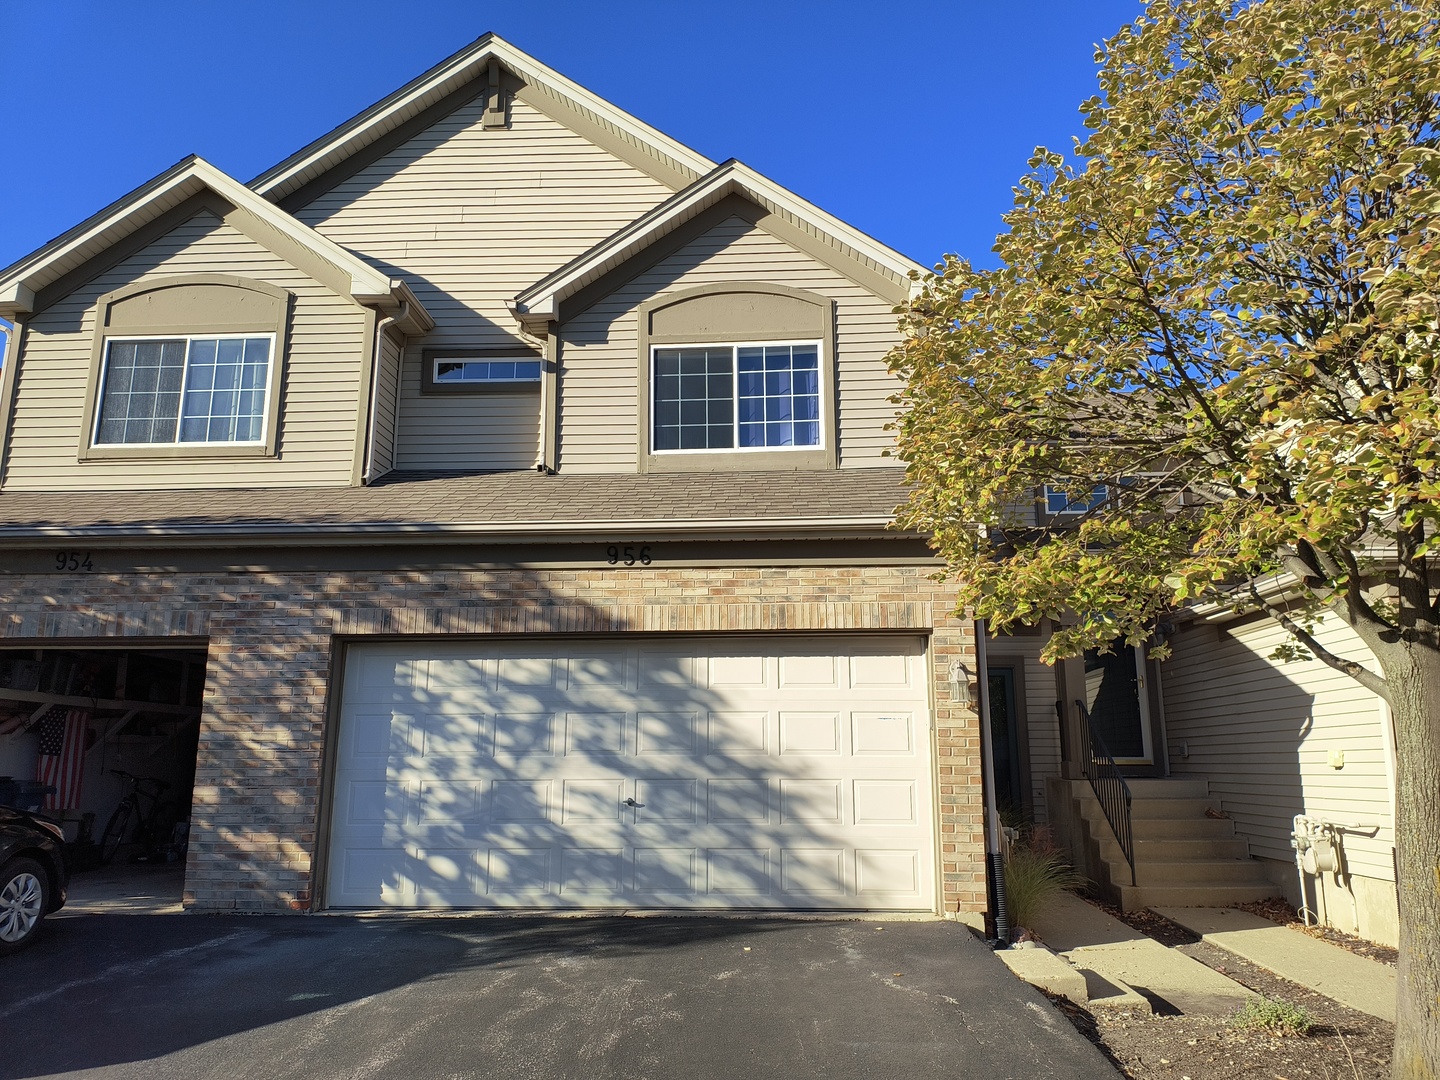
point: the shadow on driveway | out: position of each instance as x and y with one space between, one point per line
202 997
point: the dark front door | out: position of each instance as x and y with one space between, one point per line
1118 703
1005 740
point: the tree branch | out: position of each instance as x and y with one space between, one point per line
1361 674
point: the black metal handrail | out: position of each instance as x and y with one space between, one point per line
1109 786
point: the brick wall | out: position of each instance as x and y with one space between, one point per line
272 638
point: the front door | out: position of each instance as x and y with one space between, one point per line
1005 742
1117 698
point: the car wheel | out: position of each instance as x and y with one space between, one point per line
24 896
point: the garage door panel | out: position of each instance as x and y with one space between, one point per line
886 802
738 733
666 871
667 733
882 733
736 672
591 801
738 872
593 735
520 801
592 873
806 734
735 772
520 872
737 800
523 736
812 801
666 802
816 872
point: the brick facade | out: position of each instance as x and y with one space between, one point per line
272 640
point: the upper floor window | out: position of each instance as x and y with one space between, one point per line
456 370
184 390
736 397
1061 503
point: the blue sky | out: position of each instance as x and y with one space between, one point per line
911 121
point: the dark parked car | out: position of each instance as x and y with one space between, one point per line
33 875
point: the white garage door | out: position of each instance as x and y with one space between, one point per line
678 773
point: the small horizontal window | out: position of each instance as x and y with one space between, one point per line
184 390
736 397
454 371
1058 501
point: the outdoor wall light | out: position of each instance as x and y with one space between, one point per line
963 683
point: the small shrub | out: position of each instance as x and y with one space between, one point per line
1275 1017
1034 875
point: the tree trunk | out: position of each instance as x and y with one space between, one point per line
1413 674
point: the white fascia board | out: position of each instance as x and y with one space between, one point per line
465 66
544 297
366 282
149 201
765 188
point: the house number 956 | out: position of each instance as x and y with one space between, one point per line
628 554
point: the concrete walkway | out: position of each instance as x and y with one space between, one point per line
1119 962
1356 981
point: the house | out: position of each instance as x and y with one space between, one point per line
487 506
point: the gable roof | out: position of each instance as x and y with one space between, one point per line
20 282
540 303
468 65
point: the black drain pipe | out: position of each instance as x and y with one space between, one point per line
994 838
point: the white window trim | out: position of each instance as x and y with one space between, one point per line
735 347
184 376
1102 490
517 359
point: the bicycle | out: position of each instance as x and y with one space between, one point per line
152 830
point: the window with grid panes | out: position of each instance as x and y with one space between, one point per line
736 397
184 390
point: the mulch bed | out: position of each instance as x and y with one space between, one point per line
1344 1045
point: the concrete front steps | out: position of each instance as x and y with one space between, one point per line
1183 858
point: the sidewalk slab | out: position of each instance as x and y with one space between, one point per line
1042 968
1357 981
1106 949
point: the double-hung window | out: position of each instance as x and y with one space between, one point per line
1059 502
184 390
735 397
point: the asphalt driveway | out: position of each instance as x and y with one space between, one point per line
201 997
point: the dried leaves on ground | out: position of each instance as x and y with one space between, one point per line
1343 1045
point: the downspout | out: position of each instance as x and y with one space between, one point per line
368 475
994 838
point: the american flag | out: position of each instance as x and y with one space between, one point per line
62 755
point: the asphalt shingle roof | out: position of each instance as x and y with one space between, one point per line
492 499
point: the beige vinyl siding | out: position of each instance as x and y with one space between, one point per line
1261 732
466 432
470 217
320 388
598 382
387 393
1042 730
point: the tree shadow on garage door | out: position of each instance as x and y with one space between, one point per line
633 771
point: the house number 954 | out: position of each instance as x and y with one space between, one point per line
628 554
73 561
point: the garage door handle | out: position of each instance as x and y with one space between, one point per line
631 802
